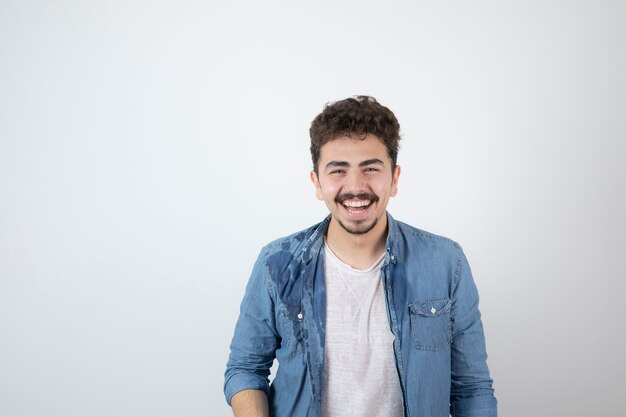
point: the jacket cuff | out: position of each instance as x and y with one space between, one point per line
486 406
241 381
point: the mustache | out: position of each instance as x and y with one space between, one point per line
340 198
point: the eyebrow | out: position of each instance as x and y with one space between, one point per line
374 161
345 164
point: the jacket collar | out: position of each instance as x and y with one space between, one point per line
316 240
393 239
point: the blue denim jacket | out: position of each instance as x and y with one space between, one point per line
432 306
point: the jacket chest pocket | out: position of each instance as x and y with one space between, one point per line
430 324
292 317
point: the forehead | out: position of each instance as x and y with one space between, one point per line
346 148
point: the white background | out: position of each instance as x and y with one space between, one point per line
148 149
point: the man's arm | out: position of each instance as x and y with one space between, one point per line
471 392
256 338
250 403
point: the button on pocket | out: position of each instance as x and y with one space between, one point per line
430 324
292 316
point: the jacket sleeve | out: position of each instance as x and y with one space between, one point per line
254 343
471 393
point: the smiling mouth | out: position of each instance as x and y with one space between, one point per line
357 206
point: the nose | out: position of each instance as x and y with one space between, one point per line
356 182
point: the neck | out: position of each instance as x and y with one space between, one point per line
357 250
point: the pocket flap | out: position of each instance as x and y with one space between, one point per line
431 308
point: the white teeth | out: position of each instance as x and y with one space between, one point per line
356 203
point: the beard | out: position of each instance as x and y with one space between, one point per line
360 228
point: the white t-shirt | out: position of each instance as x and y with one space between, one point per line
360 375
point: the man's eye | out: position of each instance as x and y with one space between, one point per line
371 169
337 171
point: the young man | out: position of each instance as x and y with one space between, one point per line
366 315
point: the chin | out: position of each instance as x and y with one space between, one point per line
358 229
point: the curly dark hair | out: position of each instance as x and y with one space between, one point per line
358 115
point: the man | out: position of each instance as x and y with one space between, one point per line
366 315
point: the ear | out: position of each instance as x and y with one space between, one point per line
394 181
316 184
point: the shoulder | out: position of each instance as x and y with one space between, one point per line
294 245
437 257
284 260
424 239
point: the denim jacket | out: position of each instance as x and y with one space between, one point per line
432 307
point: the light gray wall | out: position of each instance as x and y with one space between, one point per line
148 149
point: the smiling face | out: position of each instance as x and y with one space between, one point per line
355 180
